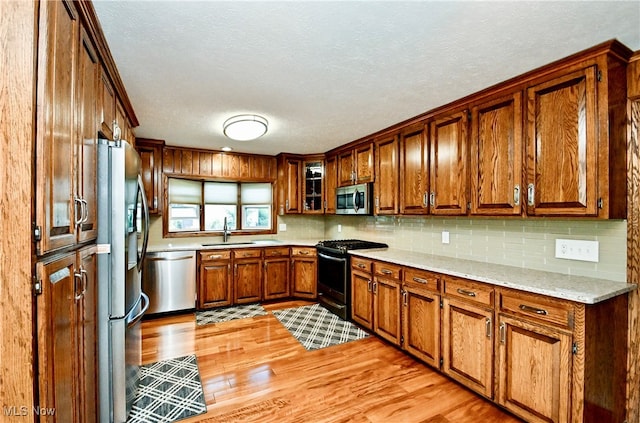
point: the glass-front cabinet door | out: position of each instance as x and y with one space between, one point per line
313 186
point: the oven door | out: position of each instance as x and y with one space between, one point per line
333 282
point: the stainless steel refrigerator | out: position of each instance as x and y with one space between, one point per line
123 224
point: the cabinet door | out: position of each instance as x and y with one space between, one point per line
448 158
304 277
88 335
56 130
108 106
248 281
363 163
87 151
59 365
276 278
346 172
214 289
362 299
421 324
330 182
386 170
386 309
292 186
313 187
150 152
496 156
534 365
414 171
561 146
467 345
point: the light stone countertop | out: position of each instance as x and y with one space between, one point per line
569 287
171 245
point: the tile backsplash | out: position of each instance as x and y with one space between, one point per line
525 243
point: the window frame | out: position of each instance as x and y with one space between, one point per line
239 212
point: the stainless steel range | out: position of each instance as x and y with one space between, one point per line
334 273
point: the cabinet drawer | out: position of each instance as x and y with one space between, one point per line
387 270
469 291
247 253
361 264
276 252
303 251
421 279
537 307
215 255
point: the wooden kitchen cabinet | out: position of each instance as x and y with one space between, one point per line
355 166
496 150
276 273
467 334
330 184
107 105
67 335
421 315
247 275
386 197
289 184
386 301
575 144
362 292
313 184
214 279
448 145
150 152
414 170
304 276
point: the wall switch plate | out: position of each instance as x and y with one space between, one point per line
445 237
282 227
339 228
574 249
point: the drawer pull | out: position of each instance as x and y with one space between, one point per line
465 292
215 256
386 271
529 309
304 252
361 266
419 280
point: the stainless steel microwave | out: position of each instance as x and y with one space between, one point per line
354 199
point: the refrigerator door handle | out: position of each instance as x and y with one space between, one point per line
135 319
145 229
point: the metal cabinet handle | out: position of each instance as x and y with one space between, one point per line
529 309
386 271
502 333
516 195
531 195
214 256
465 292
404 297
77 276
425 201
488 324
369 285
432 199
361 266
286 204
375 287
80 214
419 280
303 252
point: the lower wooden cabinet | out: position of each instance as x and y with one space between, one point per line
214 279
362 297
67 335
276 273
247 275
304 268
386 301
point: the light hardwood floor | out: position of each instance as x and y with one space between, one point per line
254 370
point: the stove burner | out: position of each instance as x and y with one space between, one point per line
344 245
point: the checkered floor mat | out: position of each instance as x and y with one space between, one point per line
229 313
315 327
169 390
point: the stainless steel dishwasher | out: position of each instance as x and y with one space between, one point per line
169 279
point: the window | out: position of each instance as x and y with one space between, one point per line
245 207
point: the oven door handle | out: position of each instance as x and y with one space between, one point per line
338 259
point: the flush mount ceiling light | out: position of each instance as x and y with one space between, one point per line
245 127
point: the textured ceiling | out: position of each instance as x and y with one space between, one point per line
325 73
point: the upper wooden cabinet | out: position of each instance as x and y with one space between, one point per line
150 152
386 170
107 104
330 184
312 182
448 164
289 184
414 170
576 141
496 150
355 165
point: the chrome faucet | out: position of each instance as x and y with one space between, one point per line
225 231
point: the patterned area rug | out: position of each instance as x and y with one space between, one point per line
170 390
316 327
229 313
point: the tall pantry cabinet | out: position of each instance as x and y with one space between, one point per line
68 101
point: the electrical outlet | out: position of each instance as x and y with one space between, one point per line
445 237
282 227
339 228
574 249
